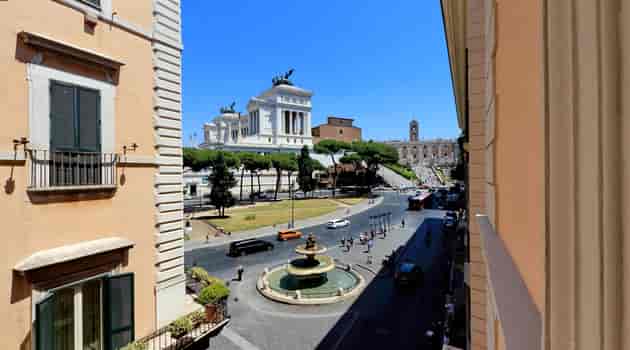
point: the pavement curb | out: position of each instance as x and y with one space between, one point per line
317 221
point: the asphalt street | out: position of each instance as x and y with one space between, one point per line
216 261
382 316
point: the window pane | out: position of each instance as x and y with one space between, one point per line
89 133
63 324
96 3
45 336
62 117
91 294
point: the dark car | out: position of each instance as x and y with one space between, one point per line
449 223
248 246
408 273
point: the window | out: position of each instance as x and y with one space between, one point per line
94 315
75 135
340 131
75 119
287 122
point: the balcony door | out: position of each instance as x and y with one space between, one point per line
75 135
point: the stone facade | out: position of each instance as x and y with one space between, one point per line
416 152
277 119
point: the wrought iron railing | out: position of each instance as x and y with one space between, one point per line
68 169
162 339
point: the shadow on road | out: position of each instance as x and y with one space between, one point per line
386 316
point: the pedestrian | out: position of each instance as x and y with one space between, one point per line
351 242
229 233
369 260
370 245
402 223
207 237
343 241
239 273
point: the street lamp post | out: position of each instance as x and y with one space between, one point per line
292 221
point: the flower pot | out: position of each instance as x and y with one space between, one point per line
211 312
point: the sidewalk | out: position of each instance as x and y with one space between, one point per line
273 230
396 237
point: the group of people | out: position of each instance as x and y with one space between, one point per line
366 238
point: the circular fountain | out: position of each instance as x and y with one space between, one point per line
313 278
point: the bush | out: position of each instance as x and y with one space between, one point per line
180 327
136 345
198 317
250 217
199 274
403 171
213 293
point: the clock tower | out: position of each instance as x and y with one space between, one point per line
414 131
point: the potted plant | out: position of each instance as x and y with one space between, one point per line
210 296
180 327
198 317
135 345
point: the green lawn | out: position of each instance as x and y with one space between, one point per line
272 214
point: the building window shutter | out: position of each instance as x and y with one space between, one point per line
62 117
89 122
118 311
44 331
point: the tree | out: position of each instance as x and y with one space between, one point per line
282 161
354 159
374 154
247 160
222 181
305 171
332 147
262 163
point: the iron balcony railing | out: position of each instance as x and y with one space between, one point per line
52 170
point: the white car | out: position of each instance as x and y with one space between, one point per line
338 223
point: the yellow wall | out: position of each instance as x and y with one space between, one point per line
519 139
28 227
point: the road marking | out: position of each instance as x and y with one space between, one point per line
238 340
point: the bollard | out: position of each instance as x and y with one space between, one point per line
340 292
348 267
298 295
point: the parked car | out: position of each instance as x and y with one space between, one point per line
409 274
336 223
248 246
288 234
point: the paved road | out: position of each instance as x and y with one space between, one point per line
216 261
381 317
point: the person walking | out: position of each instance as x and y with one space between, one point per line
239 273
402 223
370 245
343 241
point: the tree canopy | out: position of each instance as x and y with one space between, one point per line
222 181
305 171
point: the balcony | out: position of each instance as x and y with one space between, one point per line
72 171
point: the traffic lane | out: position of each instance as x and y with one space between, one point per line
216 261
390 316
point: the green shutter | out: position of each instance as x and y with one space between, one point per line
89 133
118 309
62 116
44 331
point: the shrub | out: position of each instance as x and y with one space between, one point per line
186 237
136 345
198 317
199 274
250 217
180 327
213 293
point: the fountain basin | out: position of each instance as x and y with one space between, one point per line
306 267
335 285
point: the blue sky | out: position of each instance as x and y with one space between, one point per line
380 62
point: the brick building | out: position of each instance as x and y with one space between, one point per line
336 128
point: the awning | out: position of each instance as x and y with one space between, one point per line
67 253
